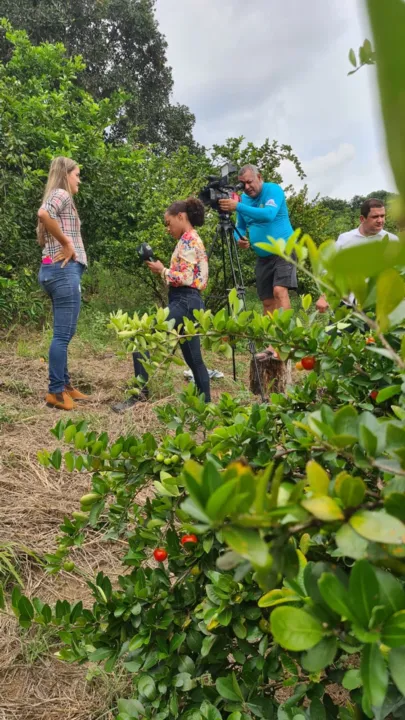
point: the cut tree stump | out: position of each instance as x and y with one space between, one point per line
274 376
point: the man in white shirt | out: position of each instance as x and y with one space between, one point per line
372 219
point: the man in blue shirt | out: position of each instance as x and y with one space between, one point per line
262 213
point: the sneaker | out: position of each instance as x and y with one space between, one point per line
76 394
128 403
215 374
212 374
62 401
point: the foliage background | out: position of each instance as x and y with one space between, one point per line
52 103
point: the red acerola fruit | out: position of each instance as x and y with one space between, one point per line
160 554
308 363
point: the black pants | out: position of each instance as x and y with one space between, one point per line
182 302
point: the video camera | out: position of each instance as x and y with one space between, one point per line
145 252
220 188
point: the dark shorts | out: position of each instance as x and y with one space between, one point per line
272 271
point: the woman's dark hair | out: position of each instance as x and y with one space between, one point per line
192 207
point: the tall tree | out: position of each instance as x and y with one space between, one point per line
123 49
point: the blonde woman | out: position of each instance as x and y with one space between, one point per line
63 263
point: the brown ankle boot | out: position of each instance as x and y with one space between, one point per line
75 394
62 400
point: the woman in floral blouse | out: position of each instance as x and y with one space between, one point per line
186 277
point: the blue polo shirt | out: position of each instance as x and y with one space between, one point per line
264 216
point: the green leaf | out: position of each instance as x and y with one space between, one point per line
69 433
207 644
363 591
324 508
132 708
228 688
378 527
210 712
388 28
319 656
2 601
100 654
390 292
294 629
147 687
318 478
370 259
396 661
352 679
239 628
393 632
69 461
217 507
56 459
248 544
184 681
335 595
352 491
177 641
392 594
25 608
350 543
80 440
278 597
346 421
317 710
225 617
352 57
374 675
388 392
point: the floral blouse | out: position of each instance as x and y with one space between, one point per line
189 263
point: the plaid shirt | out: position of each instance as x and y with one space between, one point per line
61 208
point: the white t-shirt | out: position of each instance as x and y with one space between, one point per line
355 237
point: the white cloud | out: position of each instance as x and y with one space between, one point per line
278 69
322 170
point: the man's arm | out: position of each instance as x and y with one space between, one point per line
268 212
240 229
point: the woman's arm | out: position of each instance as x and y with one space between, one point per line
186 256
67 251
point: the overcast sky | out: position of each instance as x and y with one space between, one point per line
278 69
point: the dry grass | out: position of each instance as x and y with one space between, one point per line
34 685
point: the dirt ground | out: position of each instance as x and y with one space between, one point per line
34 685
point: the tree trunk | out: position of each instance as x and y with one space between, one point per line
273 376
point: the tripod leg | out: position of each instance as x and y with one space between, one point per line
237 274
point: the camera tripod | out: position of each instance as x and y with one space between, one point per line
233 276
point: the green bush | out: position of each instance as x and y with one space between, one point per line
269 552
21 299
108 289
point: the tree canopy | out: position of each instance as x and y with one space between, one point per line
123 49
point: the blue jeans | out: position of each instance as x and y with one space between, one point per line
182 302
63 287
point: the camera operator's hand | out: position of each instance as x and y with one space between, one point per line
243 243
228 205
156 266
